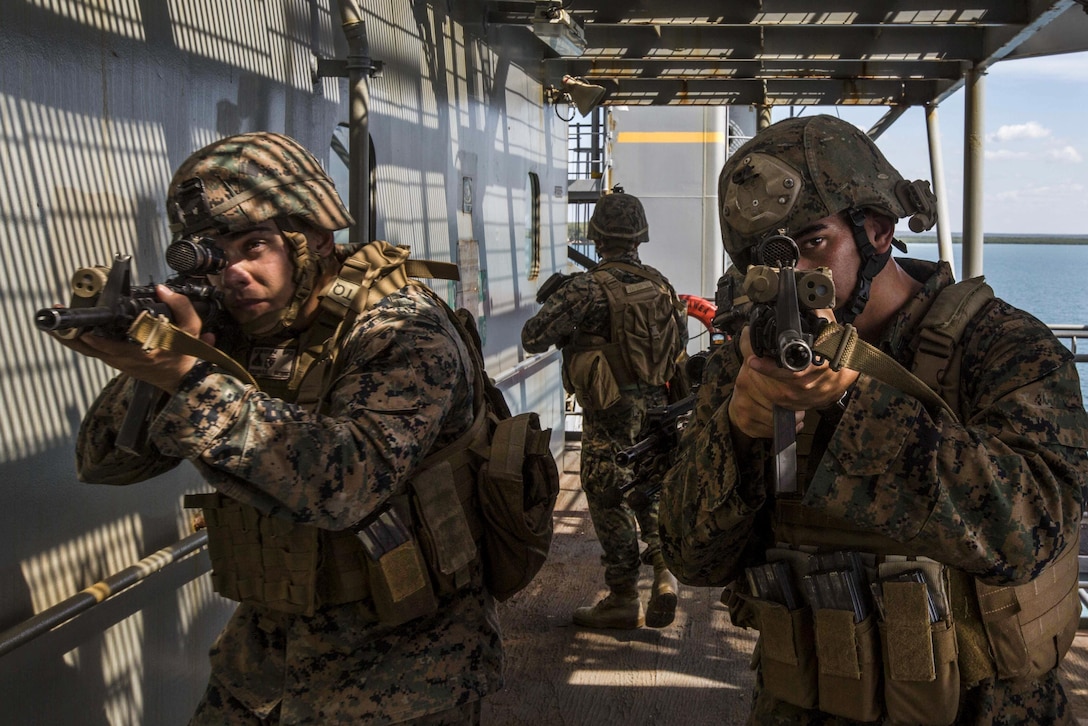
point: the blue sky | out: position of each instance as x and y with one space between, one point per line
1036 153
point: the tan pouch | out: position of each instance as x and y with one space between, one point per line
591 377
1031 627
921 670
445 537
399 585
849 665
786 653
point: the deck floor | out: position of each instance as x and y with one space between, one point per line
693 672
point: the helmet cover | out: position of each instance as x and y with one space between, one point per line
241 181
619 217
803 169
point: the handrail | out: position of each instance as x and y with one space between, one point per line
1073 333
85 599
517 371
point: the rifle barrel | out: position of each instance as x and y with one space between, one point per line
53 319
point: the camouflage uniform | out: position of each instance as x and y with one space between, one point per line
890 467
403 390
406 390
581 306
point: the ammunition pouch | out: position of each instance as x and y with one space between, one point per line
910 656
277 563
588 374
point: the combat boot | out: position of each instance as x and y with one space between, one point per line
620 610
662 606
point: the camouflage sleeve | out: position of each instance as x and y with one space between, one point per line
998 495
560 315
98 460
404 376
710 502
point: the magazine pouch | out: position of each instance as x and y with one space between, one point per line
849 665
921 670
786 651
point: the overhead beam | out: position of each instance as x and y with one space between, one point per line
793 92
800 11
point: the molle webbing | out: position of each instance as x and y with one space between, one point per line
277 563
641 345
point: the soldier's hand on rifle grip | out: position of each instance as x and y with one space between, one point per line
751 407
161 368
762 384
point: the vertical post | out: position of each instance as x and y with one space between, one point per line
973 143
936 171
359 67
763 117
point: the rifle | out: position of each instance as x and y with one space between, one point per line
105 302
653 455
779 329
558 279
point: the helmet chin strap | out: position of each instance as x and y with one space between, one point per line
872 263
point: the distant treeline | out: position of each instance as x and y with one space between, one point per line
992 238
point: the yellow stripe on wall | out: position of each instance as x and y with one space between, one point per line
670 137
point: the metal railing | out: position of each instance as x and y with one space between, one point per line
87 598
1072 334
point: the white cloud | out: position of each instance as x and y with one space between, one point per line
1018 132
1006 154
1066 153
1043 192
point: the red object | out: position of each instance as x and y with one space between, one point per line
701 309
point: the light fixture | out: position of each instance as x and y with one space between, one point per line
577 92
556 27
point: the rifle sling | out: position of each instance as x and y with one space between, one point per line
842 347
156 331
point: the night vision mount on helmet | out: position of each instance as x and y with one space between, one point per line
242 181
804 169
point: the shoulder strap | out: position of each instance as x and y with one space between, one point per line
375 271
936 362
937 352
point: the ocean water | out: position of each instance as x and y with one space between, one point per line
1047 280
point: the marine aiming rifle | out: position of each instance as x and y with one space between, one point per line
652 456
105 302
783 324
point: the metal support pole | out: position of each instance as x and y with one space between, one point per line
360 67
763 117
936 170
973 142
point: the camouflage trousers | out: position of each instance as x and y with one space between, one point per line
219 708
991 703
619 526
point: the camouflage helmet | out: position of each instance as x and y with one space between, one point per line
241 181
803 169
619 217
